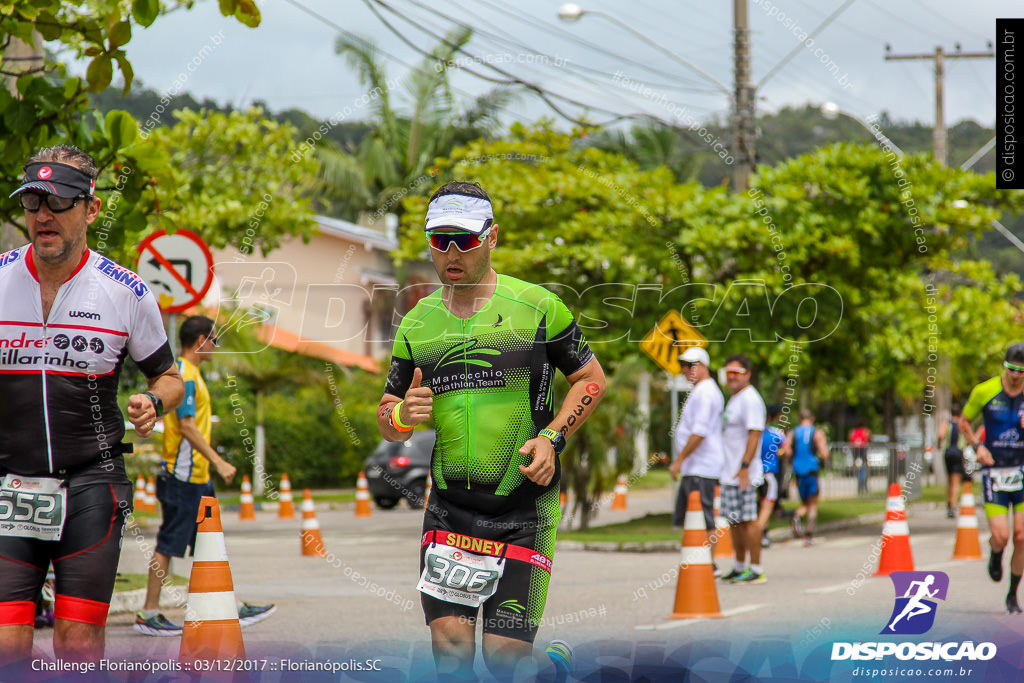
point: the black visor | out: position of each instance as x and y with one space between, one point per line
56 178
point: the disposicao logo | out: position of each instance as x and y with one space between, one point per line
913 614
916 592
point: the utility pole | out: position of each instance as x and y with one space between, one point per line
743 100
939 57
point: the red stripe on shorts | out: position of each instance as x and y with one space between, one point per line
79 609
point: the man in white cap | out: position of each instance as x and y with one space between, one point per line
479 356
697 443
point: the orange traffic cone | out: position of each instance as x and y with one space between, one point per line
619 501
246 510
426 493
312 541
139 501
151 495
968 545
696 594
563 500
896 555
286 507
362 497
723 531
211 630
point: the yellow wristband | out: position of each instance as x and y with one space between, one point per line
396 421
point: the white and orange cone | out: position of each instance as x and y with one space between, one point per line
362 497
286 506
619 501
723 547
895 555
312 541
211 630
696 593
246 508
151 495
139 501
426 493
968 545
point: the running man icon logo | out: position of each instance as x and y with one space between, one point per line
914 611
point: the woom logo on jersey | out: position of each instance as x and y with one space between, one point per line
913 613
84 314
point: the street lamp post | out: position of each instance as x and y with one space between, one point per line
741 98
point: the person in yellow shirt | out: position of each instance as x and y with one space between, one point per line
185 478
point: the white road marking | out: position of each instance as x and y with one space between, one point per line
677 623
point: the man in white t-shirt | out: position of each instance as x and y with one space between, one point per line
742 472
697 443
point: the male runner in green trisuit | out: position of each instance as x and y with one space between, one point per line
479 356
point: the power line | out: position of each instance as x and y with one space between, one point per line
508 78
958 27
903 21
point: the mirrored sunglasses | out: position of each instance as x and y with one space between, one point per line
463 241
32 202
1013 368
735 371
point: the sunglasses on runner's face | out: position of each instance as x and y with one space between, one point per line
32 202
1013 368
463 241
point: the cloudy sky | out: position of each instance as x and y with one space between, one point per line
600 67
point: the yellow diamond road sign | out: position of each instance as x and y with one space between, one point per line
667 341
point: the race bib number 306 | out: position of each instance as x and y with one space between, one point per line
1007 479
32 507
459 576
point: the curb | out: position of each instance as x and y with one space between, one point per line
776 535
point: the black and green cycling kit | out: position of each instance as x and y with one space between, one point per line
1003 481
491 376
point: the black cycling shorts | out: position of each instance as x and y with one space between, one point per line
516 608
955 462
84 560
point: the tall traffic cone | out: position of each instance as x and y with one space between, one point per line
723 531
151 495
426 493
246 509
362 497
211 630
619 501
312 541
286 507
895 555
139 501
968 545
696 594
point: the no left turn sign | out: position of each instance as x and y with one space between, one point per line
178 268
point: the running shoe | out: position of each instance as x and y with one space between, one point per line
156 625
1011 605
808 542
995 566
733 574
950 513
766 542
750 576
560 654
252 614
715 570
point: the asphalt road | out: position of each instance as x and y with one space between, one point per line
360 602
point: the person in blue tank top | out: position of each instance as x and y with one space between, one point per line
806 444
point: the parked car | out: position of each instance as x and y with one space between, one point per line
398 469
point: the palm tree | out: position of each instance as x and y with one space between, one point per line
404 143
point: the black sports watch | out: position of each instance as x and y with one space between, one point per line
557 439
157 403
